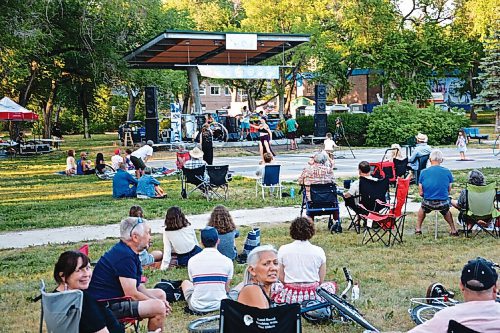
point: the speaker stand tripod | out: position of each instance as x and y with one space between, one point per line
338 137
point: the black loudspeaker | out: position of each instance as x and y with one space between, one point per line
320 97
232 124
151 102
320 124
152 130
200 120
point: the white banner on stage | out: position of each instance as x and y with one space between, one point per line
241 42
239 72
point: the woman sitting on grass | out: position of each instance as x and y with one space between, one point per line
221 220
179 237
259 277
302 265
72 271
149 187
70 163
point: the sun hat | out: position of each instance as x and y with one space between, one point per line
196 153
209 236
480 270
421 137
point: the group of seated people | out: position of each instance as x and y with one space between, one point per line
83 166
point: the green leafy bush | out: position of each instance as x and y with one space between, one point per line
396 122
355 126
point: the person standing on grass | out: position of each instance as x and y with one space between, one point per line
291 134
206 143
141 156
210 274
118 274
244 123
479 312
462 144
434 186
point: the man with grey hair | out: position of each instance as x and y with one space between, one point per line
118 274
318 171
434 186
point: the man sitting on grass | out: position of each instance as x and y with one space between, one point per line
148 186
118 273
124 184
210 273
480 312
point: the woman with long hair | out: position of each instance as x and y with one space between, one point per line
72 271
265 137
206 142
178 237
221 220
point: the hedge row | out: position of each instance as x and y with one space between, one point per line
393 123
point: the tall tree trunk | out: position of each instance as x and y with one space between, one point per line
281 92
85 112
47 110
133 99
25 92
57 114
252 105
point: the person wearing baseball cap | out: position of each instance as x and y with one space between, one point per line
421 148
141 156
210 273
480 312
116 159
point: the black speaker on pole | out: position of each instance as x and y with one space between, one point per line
151 102
320 124
320 97
152 129
232 124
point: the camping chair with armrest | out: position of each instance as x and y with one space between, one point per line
480 205
126 321
422 164
61 310
194 177
372 195
181 159
401 167
388 227
270 180
322 201
217 186
237 317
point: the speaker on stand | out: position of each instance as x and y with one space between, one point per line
151 121
320 124
320 116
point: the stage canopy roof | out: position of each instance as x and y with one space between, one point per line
175 49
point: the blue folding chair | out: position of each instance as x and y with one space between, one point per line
270 180
322 201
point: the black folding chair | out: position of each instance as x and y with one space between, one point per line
237 317
422 164
456 327
401 167
217 186
322 201
194 177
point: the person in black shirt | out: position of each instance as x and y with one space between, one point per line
73 271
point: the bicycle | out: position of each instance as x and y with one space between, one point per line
342 311
496 146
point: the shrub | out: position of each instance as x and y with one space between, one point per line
397 122
355 126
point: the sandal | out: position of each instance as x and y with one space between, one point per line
454 234
418 232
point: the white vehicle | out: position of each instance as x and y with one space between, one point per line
310 110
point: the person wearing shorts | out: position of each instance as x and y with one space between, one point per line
291 126
118 274
141 156
244 124
435 186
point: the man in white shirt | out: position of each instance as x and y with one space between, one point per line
480 312
116 159
210 274
141 156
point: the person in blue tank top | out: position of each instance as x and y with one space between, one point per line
435 186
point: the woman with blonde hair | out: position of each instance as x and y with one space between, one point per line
71 163
395 153
221 220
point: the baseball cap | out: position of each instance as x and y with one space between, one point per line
209 236
150 143
480 270
117 151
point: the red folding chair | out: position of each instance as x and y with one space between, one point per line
388 227
181 159
126 321
384 169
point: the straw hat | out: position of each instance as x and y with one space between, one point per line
196 153
421 137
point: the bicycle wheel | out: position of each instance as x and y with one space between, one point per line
347 310
421 313
208 324
106 173
496 146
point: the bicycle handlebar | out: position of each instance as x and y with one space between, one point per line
348 278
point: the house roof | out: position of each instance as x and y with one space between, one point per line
173 49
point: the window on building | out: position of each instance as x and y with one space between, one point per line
215 90
203 90
227 91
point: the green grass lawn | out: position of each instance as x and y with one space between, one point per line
32 197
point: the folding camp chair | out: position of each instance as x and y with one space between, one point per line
128 322
194 177
384 169
237 317
270 180
401 167
61 310
456 327
480 205
422 164
322 201
181 159
217 186
388 227
372 193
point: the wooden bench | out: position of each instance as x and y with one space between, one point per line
473 133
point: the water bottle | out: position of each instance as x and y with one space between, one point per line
292 192
355 292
